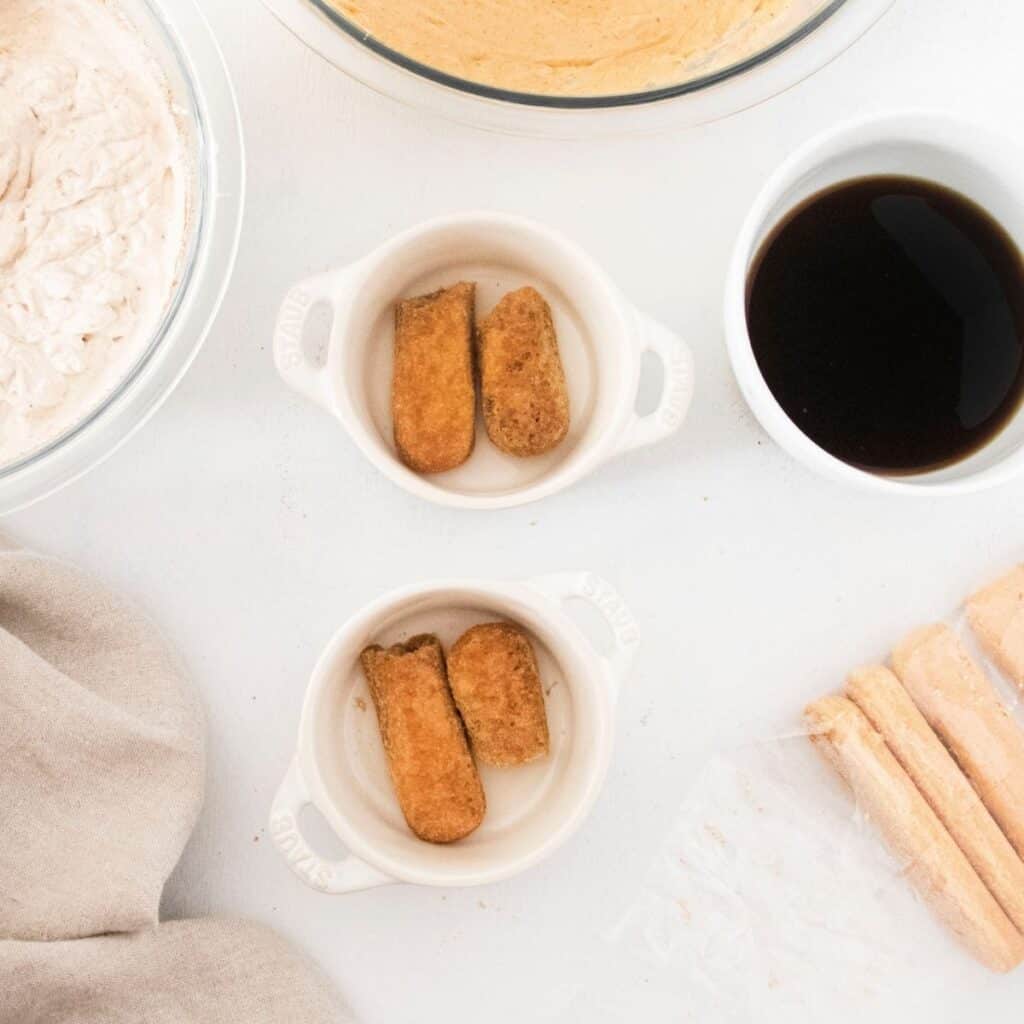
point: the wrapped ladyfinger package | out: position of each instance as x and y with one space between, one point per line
871 862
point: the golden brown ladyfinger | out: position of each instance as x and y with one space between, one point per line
996 614
493 674
962 706
936 866
435 778
433 388
525 400
887 705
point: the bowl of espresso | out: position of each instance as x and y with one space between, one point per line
875 305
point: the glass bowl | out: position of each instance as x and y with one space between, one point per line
816 32
181 39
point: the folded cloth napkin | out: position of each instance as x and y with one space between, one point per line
208 971
101 781
101 748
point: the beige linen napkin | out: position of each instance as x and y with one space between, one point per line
101 781
101 756
208 971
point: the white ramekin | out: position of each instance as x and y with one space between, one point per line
340 766
602 338
936 146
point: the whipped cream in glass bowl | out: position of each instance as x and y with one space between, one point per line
121 188
94 193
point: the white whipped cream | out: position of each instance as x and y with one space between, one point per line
94 190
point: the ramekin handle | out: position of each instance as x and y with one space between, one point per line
289 354
599 593
331 876
677 392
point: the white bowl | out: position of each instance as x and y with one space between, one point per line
341 769
601 336
963 156
181 40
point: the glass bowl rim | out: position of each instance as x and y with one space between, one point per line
544 101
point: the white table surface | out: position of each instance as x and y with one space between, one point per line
250 526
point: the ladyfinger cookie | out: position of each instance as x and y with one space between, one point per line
432 770
936 866
996 614
493 674
879 694
961 705
433 389
525 400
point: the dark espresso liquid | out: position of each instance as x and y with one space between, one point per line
887 317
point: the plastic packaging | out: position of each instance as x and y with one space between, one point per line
773 899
